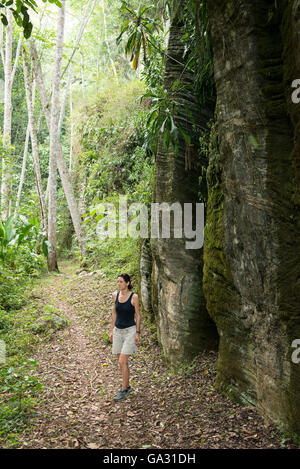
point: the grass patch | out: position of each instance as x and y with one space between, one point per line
19 388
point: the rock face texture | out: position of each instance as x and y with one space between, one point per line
251 240
183 325
145 276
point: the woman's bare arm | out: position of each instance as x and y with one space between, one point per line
113 317
136 303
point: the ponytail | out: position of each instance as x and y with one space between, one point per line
127 279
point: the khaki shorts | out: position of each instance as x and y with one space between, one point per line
124 340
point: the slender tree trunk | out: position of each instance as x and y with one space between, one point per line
22 177
23 170
82 74
63 170
5 185
9 73
14 69
82 201
1 44
106 40
85 19
16 62
167 25
71 129
54 140
63 106
34 144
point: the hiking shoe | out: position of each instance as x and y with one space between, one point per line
122 394
129 389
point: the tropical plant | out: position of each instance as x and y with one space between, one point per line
20 10
13 236
140 27
164 116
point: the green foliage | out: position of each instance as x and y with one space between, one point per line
12 286
163 117
105 336
139 27
23 252
20 10
113 155
115 160
18 388
207 140
166 111
14 234
113 254
198 54
18 385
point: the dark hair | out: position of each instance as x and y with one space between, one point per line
127 279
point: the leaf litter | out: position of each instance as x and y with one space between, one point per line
167 409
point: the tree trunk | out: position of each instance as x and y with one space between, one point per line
1 44
22 176
34 142
6 176
9 74
63 105
106 39
82 74
54 140
251 244
62 168
84 21
71 128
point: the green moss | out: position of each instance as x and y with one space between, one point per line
289 238
236 367
217 278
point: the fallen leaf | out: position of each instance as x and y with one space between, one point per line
93 446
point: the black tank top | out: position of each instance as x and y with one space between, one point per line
125 313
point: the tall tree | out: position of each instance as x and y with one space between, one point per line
62 168
22 176
7 117
34 142
9 73
82 74
106 39
54 140
71 126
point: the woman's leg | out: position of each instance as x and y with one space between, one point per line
123 362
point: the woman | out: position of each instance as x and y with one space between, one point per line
125 329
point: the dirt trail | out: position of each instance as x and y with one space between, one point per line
80 377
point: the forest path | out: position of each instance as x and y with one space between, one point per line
80 376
